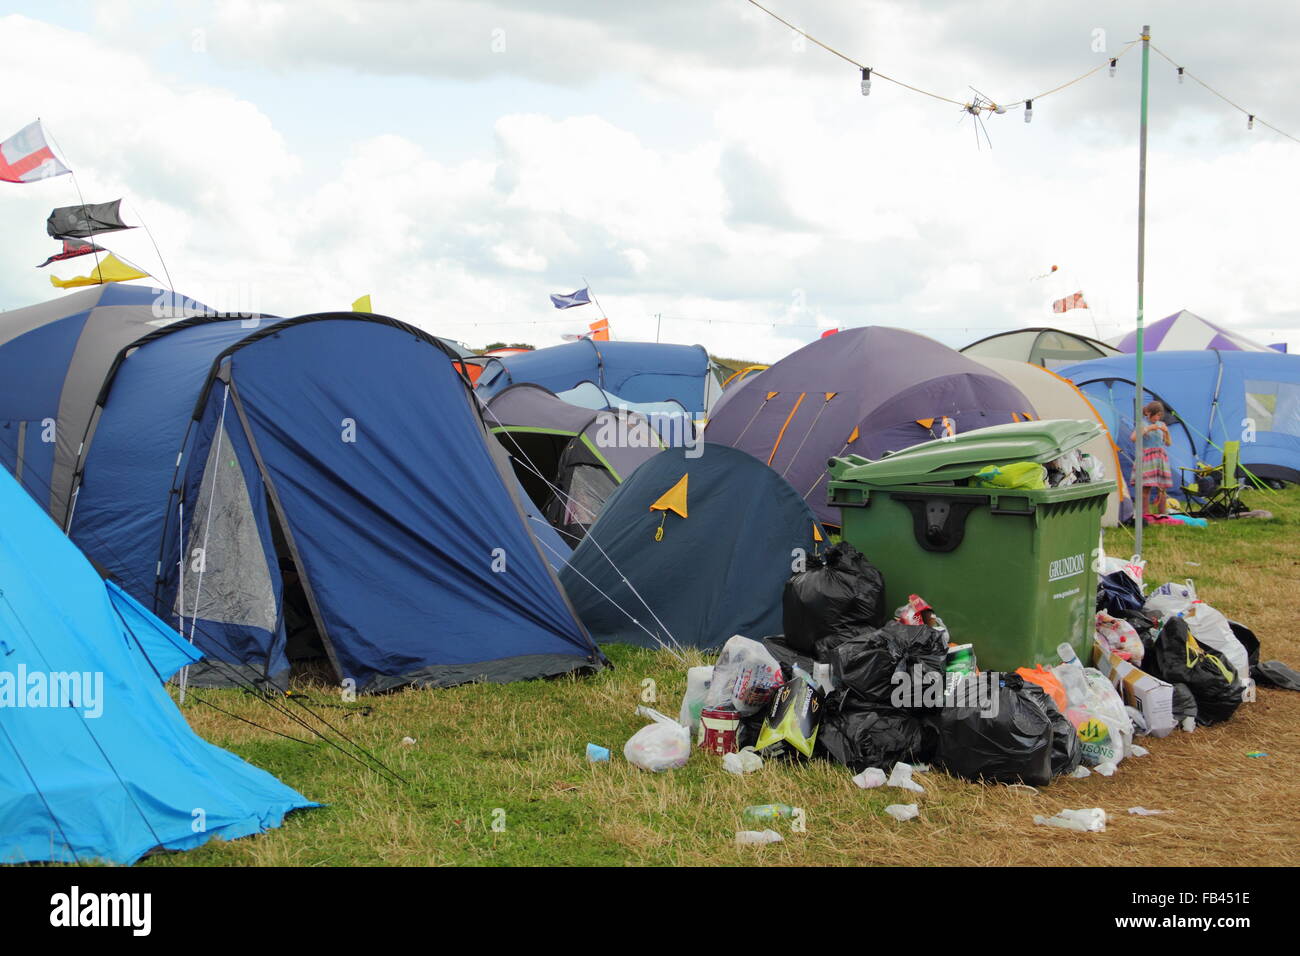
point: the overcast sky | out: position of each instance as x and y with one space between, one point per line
694 159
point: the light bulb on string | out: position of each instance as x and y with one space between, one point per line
1180 76
1029 110
1250 121
866 81
1113 61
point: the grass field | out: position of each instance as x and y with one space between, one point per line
515 754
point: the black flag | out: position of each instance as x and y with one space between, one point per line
82 222
71 249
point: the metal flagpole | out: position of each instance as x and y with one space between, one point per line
1139 492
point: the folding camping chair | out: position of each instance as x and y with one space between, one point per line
1215 490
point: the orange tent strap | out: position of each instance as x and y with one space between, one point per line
781 433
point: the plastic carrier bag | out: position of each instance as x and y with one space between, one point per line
745 677
663 745
1097 712
1118 636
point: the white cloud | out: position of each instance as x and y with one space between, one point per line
800 205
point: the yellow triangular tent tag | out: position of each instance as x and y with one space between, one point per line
674 499
817 534
362 304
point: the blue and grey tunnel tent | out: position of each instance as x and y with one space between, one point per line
689 551
329 474
568 458
53 358
96 762
1218 396
635 371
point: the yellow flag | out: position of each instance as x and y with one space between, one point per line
362 304
674 499
111 269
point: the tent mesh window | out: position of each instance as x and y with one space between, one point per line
226 576
1273 406
588 487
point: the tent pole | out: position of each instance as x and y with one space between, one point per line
1139 493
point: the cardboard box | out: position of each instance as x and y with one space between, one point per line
1150 696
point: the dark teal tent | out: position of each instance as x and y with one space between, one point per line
689 551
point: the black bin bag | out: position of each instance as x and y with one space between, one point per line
864 665
862 737
1067 750
838 595
1179 659
1012 746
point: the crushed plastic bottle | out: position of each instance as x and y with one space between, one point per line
767 811
757 837
901 777
1092 820
869 778
903 811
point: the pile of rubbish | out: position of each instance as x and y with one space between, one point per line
888 694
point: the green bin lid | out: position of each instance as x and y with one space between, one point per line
961 456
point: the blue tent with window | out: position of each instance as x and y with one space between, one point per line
317 488
634 371
96 762
1216 396
690 550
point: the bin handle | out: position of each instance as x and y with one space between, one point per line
939 521
997 509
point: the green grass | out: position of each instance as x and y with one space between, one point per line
518 750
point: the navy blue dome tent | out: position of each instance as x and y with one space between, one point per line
327 478
689 551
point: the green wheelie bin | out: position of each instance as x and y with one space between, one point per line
1010 570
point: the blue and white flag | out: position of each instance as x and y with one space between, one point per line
581 297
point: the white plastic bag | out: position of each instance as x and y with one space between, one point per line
1134 567
903 811
1097 712
747 761
1170 600
1092 820
1211 629
697 689
870 778
746 677
663 745
901 777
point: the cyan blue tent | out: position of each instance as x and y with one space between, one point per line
1217 396
334 467
635 371
732 530
96 762
53 358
